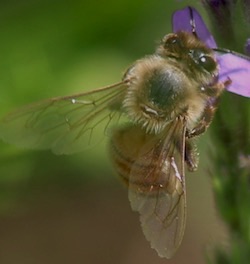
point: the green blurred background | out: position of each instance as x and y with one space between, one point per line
72 209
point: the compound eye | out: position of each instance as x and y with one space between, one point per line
207 63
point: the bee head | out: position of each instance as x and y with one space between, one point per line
191 54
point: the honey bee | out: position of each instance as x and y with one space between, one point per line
167 99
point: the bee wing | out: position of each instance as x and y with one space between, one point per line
152 167
160 197
64 124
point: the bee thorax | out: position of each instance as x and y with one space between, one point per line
156 93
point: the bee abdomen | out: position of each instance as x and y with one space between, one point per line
132 173
136 161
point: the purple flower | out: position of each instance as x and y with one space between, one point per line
188 19
233 66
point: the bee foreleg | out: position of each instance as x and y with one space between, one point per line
205 120
214 91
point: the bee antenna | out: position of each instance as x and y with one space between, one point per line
228 51
192 22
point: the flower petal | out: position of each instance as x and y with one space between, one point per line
188 19
235 67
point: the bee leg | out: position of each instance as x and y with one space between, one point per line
205 120
214 91
191 155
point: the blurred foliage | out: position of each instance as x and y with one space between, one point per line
231 136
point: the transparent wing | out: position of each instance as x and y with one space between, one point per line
152 166
64 124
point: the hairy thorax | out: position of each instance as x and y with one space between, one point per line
159 91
